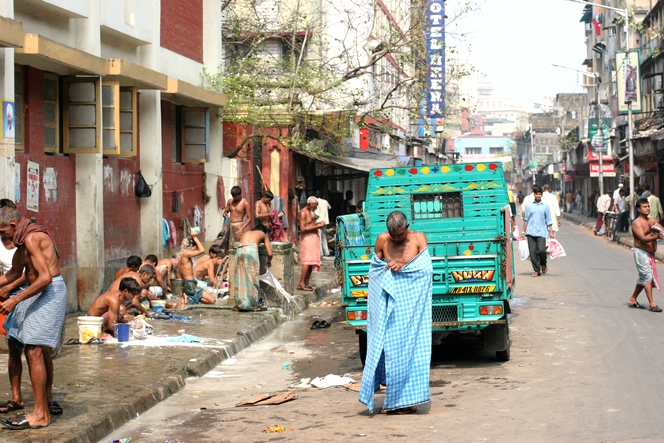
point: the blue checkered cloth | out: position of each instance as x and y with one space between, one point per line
38 320
398 333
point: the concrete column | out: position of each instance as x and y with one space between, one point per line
87 35
152 209
90 227
7 159
213 215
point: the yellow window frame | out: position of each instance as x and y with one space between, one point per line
66 117
19 111
114 109
134 122
55 125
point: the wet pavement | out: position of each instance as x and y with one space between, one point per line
100 387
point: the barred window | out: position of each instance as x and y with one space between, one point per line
437 206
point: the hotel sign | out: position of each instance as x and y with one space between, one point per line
435 40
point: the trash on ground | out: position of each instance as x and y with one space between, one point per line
330 381
286 366
304 383
185 338
327 304
274 428
269 399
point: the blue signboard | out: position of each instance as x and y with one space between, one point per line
435 39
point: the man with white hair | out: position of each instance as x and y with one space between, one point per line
309 243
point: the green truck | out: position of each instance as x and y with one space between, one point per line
464 211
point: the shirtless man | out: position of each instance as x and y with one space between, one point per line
186 267
134 263
37 312
247 269
309 243
205 271
399 326
646 232
164 268
143 277
263 208
240 212
158 287
110 305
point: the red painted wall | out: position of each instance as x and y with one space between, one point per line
182 27
187 179
57 209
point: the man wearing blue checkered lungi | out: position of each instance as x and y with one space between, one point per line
398 319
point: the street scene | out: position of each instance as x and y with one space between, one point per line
266 220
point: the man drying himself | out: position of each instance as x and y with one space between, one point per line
247 268
537 227
111 305
240 212
134 263
204 273
186 267
36 314
309 243
144 278
398 319
263 208
646 232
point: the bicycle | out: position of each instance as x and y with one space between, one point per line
611 220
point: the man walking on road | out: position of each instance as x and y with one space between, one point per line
569 201
603 205
656 210
399 319
552 201
646 232
537 226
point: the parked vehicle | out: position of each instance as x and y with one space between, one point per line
464 211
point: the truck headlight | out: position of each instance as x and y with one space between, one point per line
491 310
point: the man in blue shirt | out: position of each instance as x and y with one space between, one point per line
537 226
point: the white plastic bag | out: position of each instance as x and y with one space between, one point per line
556 249
524 252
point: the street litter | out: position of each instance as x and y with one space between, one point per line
269 279
286 366
304 383
274 428
330 381
269 399
355 387
185 338
327 304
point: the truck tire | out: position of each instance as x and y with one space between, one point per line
505 354
362 345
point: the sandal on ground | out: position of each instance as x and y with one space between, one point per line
20 423
310 287
636 305
54 408
535 274
655 309
259 309
10 406
304 288
400 411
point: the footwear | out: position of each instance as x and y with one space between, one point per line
655 309
310 287
400 411
10 406
259 309
54 408
544 269
323 324
535 274
636 305
315 325
20 423
304 288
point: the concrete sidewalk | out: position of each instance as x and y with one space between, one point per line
101 387
623 238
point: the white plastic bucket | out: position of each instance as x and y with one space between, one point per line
89 328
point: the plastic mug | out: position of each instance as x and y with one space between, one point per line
196 230
123 332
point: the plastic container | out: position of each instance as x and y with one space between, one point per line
123 332
89 327
195 230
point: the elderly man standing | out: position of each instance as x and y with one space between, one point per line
399 319
309 243
603 205
37 313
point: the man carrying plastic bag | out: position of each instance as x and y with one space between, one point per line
537 226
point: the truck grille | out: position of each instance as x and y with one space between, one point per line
444 313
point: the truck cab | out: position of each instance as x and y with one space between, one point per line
463 209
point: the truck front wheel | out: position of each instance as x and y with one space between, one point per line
362 344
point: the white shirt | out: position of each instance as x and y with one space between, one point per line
6 256
551 199
528 199
321 211
616 193
603 203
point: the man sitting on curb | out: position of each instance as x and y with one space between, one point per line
111 305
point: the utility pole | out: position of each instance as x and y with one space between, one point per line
532 153
600 151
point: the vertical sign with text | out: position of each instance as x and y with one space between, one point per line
32 198
435 41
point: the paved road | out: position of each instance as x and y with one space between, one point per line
584 368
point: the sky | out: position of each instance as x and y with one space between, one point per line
512 44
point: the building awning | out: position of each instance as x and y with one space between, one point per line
11 33
360 164
131 74
49 55
186 94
